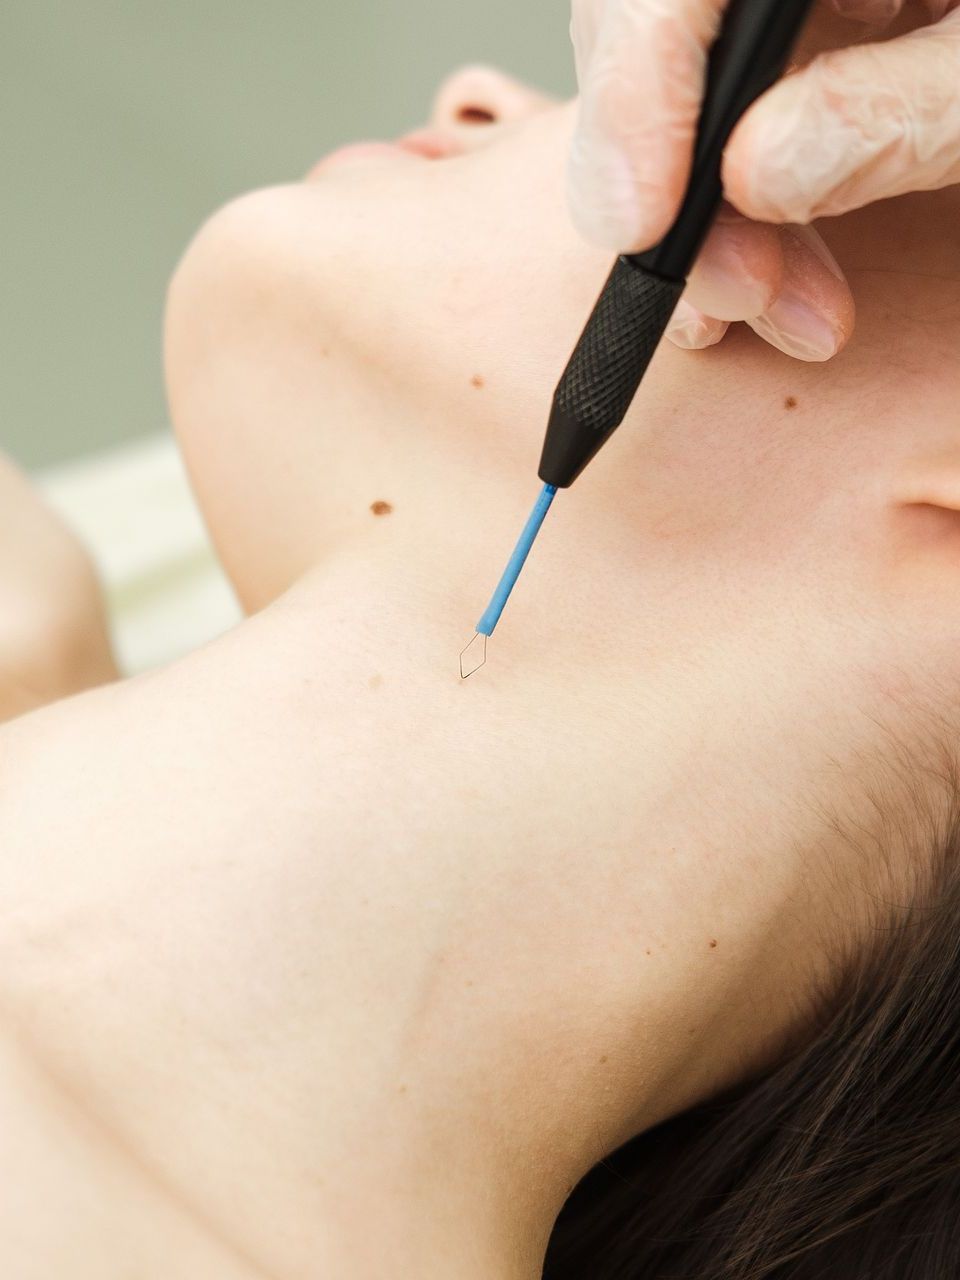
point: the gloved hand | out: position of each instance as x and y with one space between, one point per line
853 126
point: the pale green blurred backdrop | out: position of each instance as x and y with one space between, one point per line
125 122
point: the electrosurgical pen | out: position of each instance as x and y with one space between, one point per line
600 382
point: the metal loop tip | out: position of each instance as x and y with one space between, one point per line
473 656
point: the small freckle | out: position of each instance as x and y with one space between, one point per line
376 681
604 1058
649 952
790 402
469 982
478 382
713 942
381 508
402 1088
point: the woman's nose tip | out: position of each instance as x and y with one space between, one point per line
477 96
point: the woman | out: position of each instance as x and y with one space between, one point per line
317 961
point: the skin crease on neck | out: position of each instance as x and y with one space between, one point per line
321 962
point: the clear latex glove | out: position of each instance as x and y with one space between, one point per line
782 281
853 126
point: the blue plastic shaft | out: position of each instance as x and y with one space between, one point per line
486 625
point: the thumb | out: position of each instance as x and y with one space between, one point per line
641 78
856 125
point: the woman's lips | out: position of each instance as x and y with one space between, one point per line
430 143
423 144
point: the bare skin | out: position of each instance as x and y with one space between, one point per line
314 960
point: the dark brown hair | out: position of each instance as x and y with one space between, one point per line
843 1163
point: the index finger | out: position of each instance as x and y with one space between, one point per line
641 90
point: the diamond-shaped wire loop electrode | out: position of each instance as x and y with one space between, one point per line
473 656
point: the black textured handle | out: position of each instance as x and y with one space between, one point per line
610 359
600 382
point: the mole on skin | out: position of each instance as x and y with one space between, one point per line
477 381
713 942
790 402
381 508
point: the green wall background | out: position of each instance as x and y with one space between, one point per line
125 122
